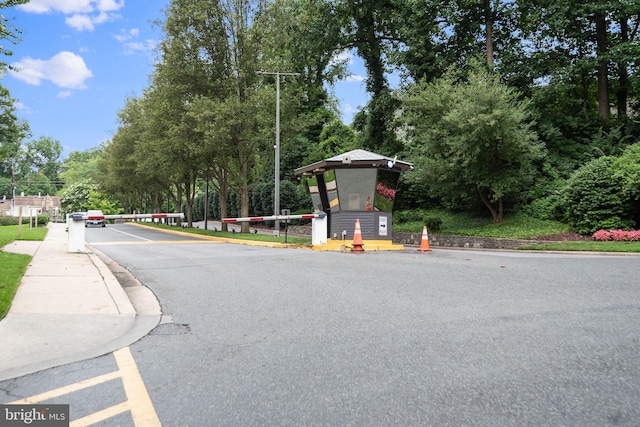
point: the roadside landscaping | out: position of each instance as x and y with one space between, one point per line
14 265
238 236
518 226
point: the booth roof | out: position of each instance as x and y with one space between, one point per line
355 159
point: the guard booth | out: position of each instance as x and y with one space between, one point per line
357 185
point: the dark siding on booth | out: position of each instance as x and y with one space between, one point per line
368 225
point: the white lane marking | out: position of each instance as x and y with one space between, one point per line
129 234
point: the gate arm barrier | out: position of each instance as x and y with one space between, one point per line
318 223
75 225
275 217
81 217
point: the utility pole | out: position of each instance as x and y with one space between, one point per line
276 207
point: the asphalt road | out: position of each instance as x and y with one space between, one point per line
284 337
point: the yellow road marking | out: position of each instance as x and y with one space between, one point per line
138 400
100 416
142 410
52 394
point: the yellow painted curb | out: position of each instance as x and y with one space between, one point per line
369 245
228 240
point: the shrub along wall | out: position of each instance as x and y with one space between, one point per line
43 220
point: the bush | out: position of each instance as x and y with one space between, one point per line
594 198
433 223
43 220
617 236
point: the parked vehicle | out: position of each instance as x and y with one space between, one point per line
100 222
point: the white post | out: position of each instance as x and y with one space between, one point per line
319 231
75 229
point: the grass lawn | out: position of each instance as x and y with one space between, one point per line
625 247
9 233
239 236
513 226
14 265
13 268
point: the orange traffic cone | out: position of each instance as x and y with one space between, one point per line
424 244
357 239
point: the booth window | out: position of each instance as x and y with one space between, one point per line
332 190
355 188
314 190
386 190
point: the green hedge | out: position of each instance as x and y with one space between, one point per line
43 220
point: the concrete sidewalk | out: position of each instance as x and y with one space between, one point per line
70 307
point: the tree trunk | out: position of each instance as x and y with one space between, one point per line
223 195
190 186
603 63
623 74
244 196
488 30
179 201
497 216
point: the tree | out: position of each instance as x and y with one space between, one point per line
12 130
627 167
302 36
8 31
594 198
586 40
41 158
81 166
471 137
371 28
81 197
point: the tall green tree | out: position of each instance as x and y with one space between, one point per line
302 36
42 155
8 31
12 130
12 134
370 27
81 166
594 42
471 137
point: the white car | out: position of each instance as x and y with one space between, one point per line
101 222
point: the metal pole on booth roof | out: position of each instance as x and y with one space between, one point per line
276 196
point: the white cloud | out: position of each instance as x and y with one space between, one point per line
66 70
64 94
84 13
131 44
354 78
80 22
109 5
125 36
64 6
349 109
22 108
345 57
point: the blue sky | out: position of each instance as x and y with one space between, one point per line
81 59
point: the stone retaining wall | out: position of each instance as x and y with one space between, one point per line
471 242
442 240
